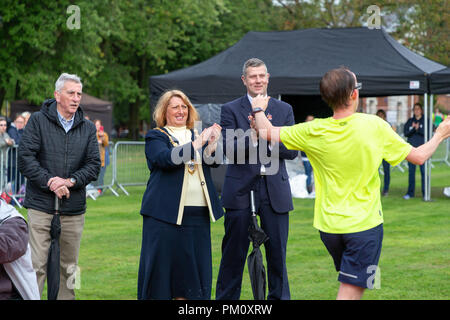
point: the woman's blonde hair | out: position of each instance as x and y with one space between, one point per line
159 115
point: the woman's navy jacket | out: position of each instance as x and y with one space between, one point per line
415 136
161 199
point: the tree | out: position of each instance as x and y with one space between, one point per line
423 26
154 37
148 37
120 43
420 25
300 14
234 19
37 46
117 46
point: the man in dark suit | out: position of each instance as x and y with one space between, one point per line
248 169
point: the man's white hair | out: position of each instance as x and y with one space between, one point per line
59 84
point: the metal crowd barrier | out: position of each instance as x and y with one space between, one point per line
127 167
442 154
130 165
12 182
108 178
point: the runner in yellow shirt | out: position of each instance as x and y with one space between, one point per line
345 152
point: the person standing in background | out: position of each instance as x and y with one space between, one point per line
59 156
307 164
273 197
26 116
178 204
414 131
438 117
103 144
5 142
15 132
386 166
17 277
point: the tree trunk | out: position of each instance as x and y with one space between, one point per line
133 123
17 91
2 97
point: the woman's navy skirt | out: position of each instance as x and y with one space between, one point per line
176 259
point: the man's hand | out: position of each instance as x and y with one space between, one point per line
444 129
422 153
263 126
57 182
260 102
62 192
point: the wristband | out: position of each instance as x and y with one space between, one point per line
256 110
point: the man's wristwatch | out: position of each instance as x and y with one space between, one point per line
73 180
256 110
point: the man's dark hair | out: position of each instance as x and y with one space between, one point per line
418 104
336 86
382 112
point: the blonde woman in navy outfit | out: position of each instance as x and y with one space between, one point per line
178 204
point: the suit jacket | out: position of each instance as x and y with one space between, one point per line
161 199
244 168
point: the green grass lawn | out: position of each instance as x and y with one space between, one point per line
414 263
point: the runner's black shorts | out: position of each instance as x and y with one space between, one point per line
355 255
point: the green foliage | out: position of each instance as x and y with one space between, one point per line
424 26
37 46
298 14
120 43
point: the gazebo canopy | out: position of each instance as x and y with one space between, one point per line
297 60
440 82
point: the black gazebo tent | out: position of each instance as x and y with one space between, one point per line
296 62
440 82
298 59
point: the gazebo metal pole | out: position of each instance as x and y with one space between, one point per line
426 196
430 134
425 122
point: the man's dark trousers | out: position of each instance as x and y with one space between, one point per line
235 247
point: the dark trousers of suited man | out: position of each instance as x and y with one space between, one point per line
235 247
272 191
